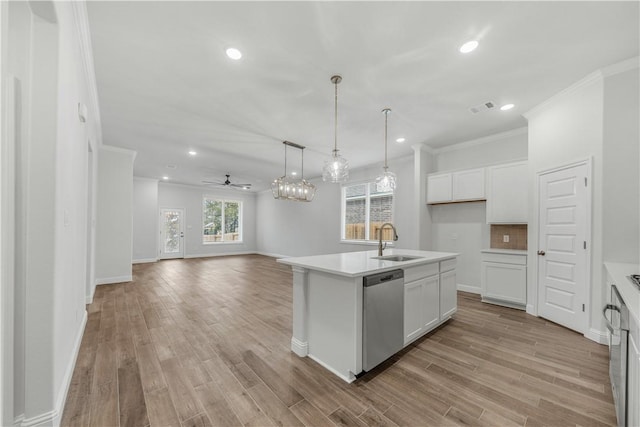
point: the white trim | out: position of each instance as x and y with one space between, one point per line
531 309
81 20
590 79
272 255
116 279
300 348
481 140
220 254
469 288
89 298
119 150
53 417
588 162
144 260
598 336
621 67
330 369
143 178
423 147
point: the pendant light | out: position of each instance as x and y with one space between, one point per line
336 168
286 188
387 181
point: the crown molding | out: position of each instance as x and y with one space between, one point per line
483 140
81 19
119 150
621 67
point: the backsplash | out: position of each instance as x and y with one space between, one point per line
517 236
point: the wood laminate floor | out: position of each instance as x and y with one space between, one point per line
204 342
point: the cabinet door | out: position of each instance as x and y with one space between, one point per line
412 310
448 294
505 282
439 188
469 185
430 302
507 194
633 386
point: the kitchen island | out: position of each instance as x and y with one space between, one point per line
328 302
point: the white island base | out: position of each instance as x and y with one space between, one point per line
328 302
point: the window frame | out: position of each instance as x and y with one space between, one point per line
224 201
367 197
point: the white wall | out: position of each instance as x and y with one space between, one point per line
297 229
114 226
145 220
45 55
190 199
565 129
462 227
621 186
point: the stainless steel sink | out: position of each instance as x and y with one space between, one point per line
397 258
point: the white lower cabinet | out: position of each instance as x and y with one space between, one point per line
504 279
633 377
429 297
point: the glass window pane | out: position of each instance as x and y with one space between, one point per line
355 216
380 211
356 190
231 221
171 232
212 218
373 190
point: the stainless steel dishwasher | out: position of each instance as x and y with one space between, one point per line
383 317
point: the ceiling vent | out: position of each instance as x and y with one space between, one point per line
482 107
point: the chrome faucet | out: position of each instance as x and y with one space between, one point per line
395 237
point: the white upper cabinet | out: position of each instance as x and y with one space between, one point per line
507 194
439 188
462 186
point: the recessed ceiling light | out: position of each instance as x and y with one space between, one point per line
400 140
192 153
234 53
245 188
165 177
506 107
469 46
294 173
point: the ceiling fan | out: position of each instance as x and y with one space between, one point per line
227 183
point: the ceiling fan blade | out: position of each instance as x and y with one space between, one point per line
240 185
213 182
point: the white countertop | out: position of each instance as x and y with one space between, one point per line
629 293
354 264
505 251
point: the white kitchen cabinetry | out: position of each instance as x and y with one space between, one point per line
504 278
507 194
633 375
429 297
461 186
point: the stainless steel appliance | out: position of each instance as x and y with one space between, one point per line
383 317
618 326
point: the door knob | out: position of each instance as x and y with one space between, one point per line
541 253
181 234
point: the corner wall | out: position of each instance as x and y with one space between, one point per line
145 220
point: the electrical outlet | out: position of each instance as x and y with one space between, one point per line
505 238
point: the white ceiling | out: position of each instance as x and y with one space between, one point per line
166 86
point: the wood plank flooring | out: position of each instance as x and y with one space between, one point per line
206 342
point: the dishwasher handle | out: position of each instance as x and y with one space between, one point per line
387 276
606 308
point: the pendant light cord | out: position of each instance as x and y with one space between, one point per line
335 139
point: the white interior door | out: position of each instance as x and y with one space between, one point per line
562 246
171 233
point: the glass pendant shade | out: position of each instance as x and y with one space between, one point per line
386 182
288 188
336 169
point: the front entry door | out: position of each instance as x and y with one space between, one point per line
562 246
171 233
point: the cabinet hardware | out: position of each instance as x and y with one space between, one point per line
542 253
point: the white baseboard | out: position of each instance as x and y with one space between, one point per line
219 254
331 369
300 348
53 417
469 288
531 310
144 260
89 298
597 336
272 255
110 280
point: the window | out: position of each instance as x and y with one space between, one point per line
221 221
364 210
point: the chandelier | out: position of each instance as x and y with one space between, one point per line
336 168
387 181
288 188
